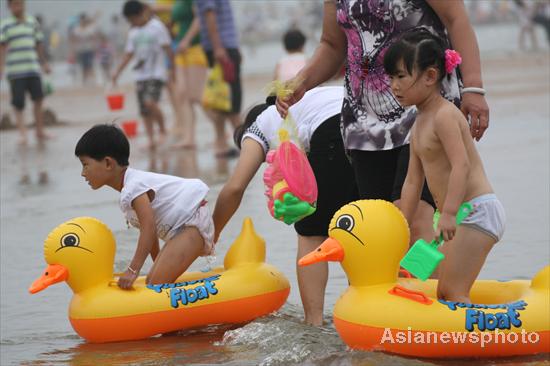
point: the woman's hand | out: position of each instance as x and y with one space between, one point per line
283 105
475 109
446 226
183 46
127 279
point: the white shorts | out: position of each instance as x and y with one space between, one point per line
202 220
487 216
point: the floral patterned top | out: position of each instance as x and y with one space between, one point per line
372 119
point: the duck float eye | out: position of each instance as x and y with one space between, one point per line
345 222
70 240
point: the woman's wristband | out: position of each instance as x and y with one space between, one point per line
132 270
473 89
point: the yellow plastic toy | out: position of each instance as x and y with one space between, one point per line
81 251
380 311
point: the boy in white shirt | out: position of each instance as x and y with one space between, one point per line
149 42
161 206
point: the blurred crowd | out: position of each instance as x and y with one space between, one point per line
90 48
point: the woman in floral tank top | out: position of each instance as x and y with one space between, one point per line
375 128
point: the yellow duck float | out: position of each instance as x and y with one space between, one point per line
81 252
380 311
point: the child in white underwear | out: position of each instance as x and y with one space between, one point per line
443 152
161 206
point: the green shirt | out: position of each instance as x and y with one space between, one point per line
21 38
182 16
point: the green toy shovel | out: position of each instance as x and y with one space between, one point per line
423 257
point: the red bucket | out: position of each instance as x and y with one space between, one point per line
115 101
130 128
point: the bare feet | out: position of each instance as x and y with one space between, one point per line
43 178
41 136
186 145
148 147
25 179
177 132
161 139
23 140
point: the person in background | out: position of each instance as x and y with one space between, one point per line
220 42
191 68
105 56
542 17
85 36
162 9
117 34
22 55
290 64
47 33
149 43
526 13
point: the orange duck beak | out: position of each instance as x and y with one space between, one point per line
330 250
53 274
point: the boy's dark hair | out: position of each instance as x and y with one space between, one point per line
250 118
419 49
132 8
104 140
294 40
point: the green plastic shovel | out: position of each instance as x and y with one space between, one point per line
423 257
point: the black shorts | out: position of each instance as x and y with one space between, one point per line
32 84
148 90
381 174
235 86
86 60
334 175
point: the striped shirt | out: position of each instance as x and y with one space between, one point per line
224 23
21 39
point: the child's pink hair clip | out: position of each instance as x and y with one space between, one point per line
452 60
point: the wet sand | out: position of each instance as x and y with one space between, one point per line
34 329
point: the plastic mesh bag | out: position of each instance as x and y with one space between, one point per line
291 188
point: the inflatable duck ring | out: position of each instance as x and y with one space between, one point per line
380 311
81 252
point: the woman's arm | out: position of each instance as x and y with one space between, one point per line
229 199
447 129
193 30
455 19
146 242
325 62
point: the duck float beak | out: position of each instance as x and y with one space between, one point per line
53 274
330 250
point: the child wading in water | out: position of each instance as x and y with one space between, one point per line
442 151
161 206
148 42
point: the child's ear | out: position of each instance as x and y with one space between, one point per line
110 163
431 76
